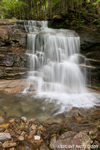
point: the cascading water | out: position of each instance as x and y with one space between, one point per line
55 66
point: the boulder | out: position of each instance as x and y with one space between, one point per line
19 36
88 39
71 140
5 136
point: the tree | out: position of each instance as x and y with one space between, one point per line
45 9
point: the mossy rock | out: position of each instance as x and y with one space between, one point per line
13 20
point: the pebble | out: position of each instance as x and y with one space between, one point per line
41 128
2 129
21 138
5 136
24 119
12 121
5 126
33 127
36 137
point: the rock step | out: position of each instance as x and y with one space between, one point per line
93 55
93 74
12 86
12 72
13 60
93 62
88 66
94 87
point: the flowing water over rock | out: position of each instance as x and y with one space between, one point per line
55 67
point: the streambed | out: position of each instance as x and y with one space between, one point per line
18 105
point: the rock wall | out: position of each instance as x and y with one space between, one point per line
90 47
13 61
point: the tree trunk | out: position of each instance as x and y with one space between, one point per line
45 13
49 8
41 13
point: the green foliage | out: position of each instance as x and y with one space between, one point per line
14 9
94 4
46 9
97 22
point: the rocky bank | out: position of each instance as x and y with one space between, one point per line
13 61
77 131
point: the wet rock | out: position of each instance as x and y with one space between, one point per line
30 136
33 127
70 140
24 119
43 147
2 129
53 143
5 126
22 40
16 60
93 133
8 144
41 128
5 136
12 50
33 132
18 35
12 121
21 138
88 39
9 60
23 133
81 139
25 145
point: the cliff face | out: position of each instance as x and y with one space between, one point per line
90 47
14 62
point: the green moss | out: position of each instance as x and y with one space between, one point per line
6 37
95 35
93 135
98 85
13 20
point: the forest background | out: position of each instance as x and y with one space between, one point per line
75 12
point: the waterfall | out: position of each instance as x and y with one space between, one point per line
55 65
